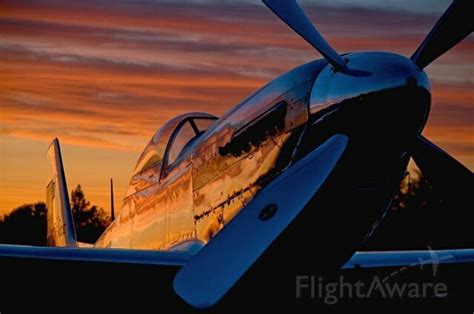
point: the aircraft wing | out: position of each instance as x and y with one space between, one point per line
10 254
409 258
111 276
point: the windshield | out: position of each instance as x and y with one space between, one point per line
186 136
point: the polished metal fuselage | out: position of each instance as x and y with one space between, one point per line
182 207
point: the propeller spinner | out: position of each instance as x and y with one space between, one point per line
453 26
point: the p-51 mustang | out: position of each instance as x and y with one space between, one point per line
311 160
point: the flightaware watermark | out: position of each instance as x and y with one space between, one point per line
331 291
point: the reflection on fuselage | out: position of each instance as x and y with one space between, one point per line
191 199
182 204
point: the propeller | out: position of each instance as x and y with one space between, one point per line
207 277
455 24
292 14
446 175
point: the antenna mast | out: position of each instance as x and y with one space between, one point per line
112 208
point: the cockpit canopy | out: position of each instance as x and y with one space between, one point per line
173 139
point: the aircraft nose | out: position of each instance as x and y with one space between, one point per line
370 72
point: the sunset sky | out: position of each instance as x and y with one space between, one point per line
103 75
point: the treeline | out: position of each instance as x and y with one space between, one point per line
27 224
418 218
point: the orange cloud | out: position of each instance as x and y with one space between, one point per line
106 75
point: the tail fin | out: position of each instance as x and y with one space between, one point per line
60 226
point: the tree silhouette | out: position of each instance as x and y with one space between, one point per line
27 224
419 217
90 221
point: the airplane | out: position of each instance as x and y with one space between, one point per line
311 161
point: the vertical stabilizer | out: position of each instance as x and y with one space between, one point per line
60 226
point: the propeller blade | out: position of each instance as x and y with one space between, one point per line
455 24
292 14
207 277
444 173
